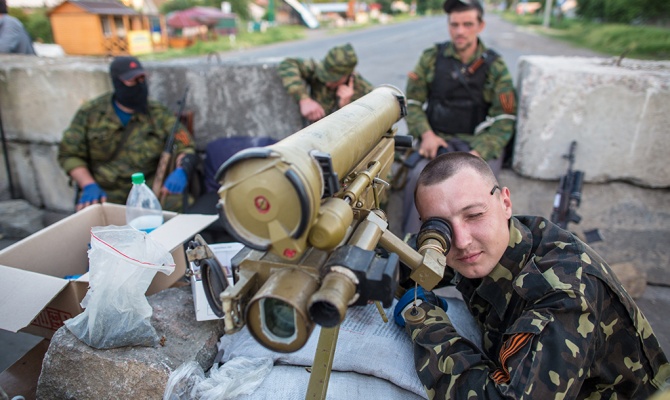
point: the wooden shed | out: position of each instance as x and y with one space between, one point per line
106 28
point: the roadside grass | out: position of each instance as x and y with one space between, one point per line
633 41
243 40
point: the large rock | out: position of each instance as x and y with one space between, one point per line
72 370
618 114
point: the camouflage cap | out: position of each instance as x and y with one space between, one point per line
340 61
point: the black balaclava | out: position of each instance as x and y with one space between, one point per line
133 97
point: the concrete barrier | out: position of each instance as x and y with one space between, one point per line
618 114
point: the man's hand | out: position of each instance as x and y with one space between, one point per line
91 194
430 143
176 181
345 92
406 302
311 109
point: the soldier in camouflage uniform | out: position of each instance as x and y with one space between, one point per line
555 320
322 88
470 107
120 133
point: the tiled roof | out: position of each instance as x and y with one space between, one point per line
105 7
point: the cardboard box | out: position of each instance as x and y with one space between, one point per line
34 297
224 253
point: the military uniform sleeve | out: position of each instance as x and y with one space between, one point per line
361 87
418 82
500 92
72 151
293 73
546 353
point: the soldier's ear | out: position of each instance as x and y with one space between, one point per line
506 201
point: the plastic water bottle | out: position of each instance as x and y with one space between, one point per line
143 210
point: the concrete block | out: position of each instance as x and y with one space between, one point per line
23 172
52 181
618 114
5 192
227 99
72 370
39 96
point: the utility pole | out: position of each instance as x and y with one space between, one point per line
548 4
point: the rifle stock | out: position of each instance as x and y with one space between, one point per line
166 155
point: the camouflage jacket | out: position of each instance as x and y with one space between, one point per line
95 132
300 81
556 323
499 93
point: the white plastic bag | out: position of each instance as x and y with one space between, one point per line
239 376
183 382
122 263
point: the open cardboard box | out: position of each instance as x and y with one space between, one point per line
34 297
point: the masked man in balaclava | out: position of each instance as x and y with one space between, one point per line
120 133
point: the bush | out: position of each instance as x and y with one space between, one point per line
39 27
624 11
37 24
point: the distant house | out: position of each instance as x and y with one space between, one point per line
105 28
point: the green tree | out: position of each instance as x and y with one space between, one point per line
39 26
624 11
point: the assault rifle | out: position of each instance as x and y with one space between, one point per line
569 193
166 155
307 209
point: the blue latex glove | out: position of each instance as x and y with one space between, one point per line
176 181
92 193
421 296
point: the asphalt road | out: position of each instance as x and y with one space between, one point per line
386 53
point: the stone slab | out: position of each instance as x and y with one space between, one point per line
72 370
618 114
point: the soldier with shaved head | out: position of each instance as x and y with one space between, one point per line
555 320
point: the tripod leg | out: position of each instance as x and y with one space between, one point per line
323 363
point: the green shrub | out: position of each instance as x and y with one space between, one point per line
39 27
624 11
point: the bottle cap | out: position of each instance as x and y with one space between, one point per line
137 178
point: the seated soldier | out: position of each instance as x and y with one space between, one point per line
120 133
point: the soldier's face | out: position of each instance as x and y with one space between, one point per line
337 83
479 220
464 27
